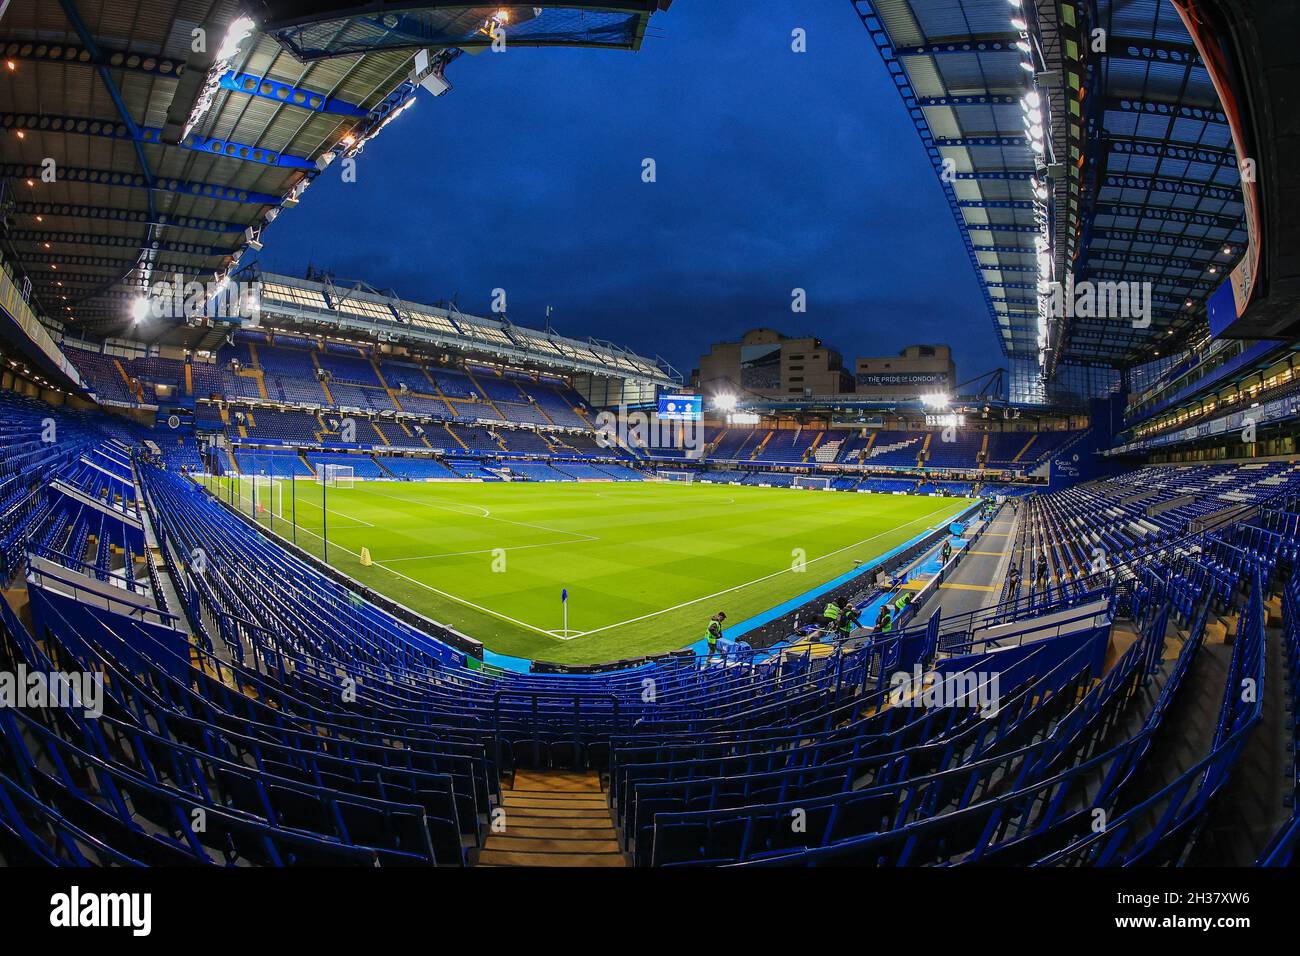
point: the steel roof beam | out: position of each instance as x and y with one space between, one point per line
287 94
1204 114
149 64
985 43
995 204
99 262
994 227
990 140
148 135
1158 149
107 177
983 99
1167 215
74 211
122 242
1160 238
1004 176
1181 187
1128 268
1156 51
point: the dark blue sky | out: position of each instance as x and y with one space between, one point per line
776 170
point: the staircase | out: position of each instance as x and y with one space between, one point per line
553 818
1021 454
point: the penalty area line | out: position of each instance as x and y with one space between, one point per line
440 593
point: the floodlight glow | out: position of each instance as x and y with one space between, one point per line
725 402
935 400
237 34
139 309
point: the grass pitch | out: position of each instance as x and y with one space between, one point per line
645 564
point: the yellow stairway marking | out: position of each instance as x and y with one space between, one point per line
1022 451
454 436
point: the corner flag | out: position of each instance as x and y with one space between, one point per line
564 599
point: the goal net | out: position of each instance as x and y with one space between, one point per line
687 477
335 476
261 495
810 482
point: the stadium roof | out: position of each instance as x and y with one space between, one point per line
314 29
356 308
147 139
1136 180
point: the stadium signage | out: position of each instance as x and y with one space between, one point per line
901 379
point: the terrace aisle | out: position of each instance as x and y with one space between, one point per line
554 818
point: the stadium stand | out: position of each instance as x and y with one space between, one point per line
1104 624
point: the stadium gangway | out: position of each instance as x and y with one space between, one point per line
1180 807
44 577
116 578
534 728
1281 850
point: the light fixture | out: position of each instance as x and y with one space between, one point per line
1019 24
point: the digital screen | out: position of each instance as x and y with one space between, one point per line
681 408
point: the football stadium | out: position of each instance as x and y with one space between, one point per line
403 462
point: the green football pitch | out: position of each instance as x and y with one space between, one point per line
645 564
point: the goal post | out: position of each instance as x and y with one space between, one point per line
811 481
681 477
335 476
261 495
